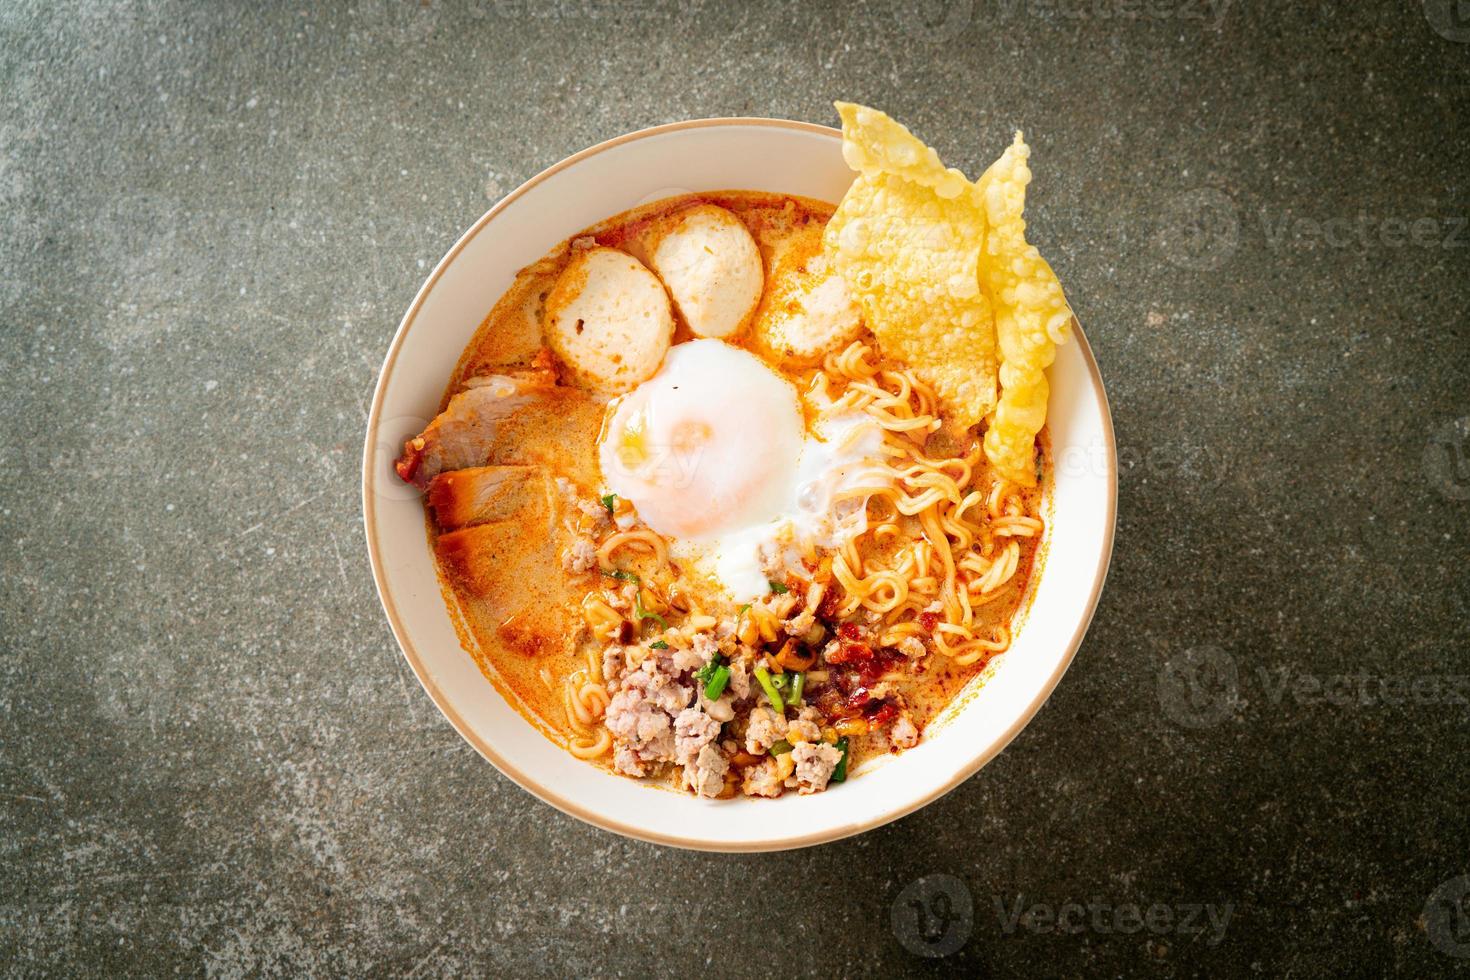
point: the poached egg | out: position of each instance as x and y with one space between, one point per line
714 453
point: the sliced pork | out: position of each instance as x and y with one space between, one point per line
480 494
498 569
504 418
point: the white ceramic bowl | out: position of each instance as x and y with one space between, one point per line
704 155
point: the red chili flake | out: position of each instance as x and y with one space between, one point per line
849 631
928 621
850 653
830 702
870 670
840 684
827 608
877 665
885 712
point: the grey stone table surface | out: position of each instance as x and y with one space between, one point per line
213 758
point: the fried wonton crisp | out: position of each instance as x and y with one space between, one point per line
1031 316
944 275
907 239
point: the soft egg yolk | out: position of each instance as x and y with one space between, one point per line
632 445
690 435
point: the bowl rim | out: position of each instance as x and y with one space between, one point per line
548 794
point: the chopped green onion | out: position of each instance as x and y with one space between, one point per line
763 677
610 501
658 645
839 774
782 682
714 675
703 674
717 681
640 614
798 681
777 587
780 747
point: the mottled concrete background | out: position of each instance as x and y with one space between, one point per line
212 756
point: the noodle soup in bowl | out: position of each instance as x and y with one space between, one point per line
444 591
